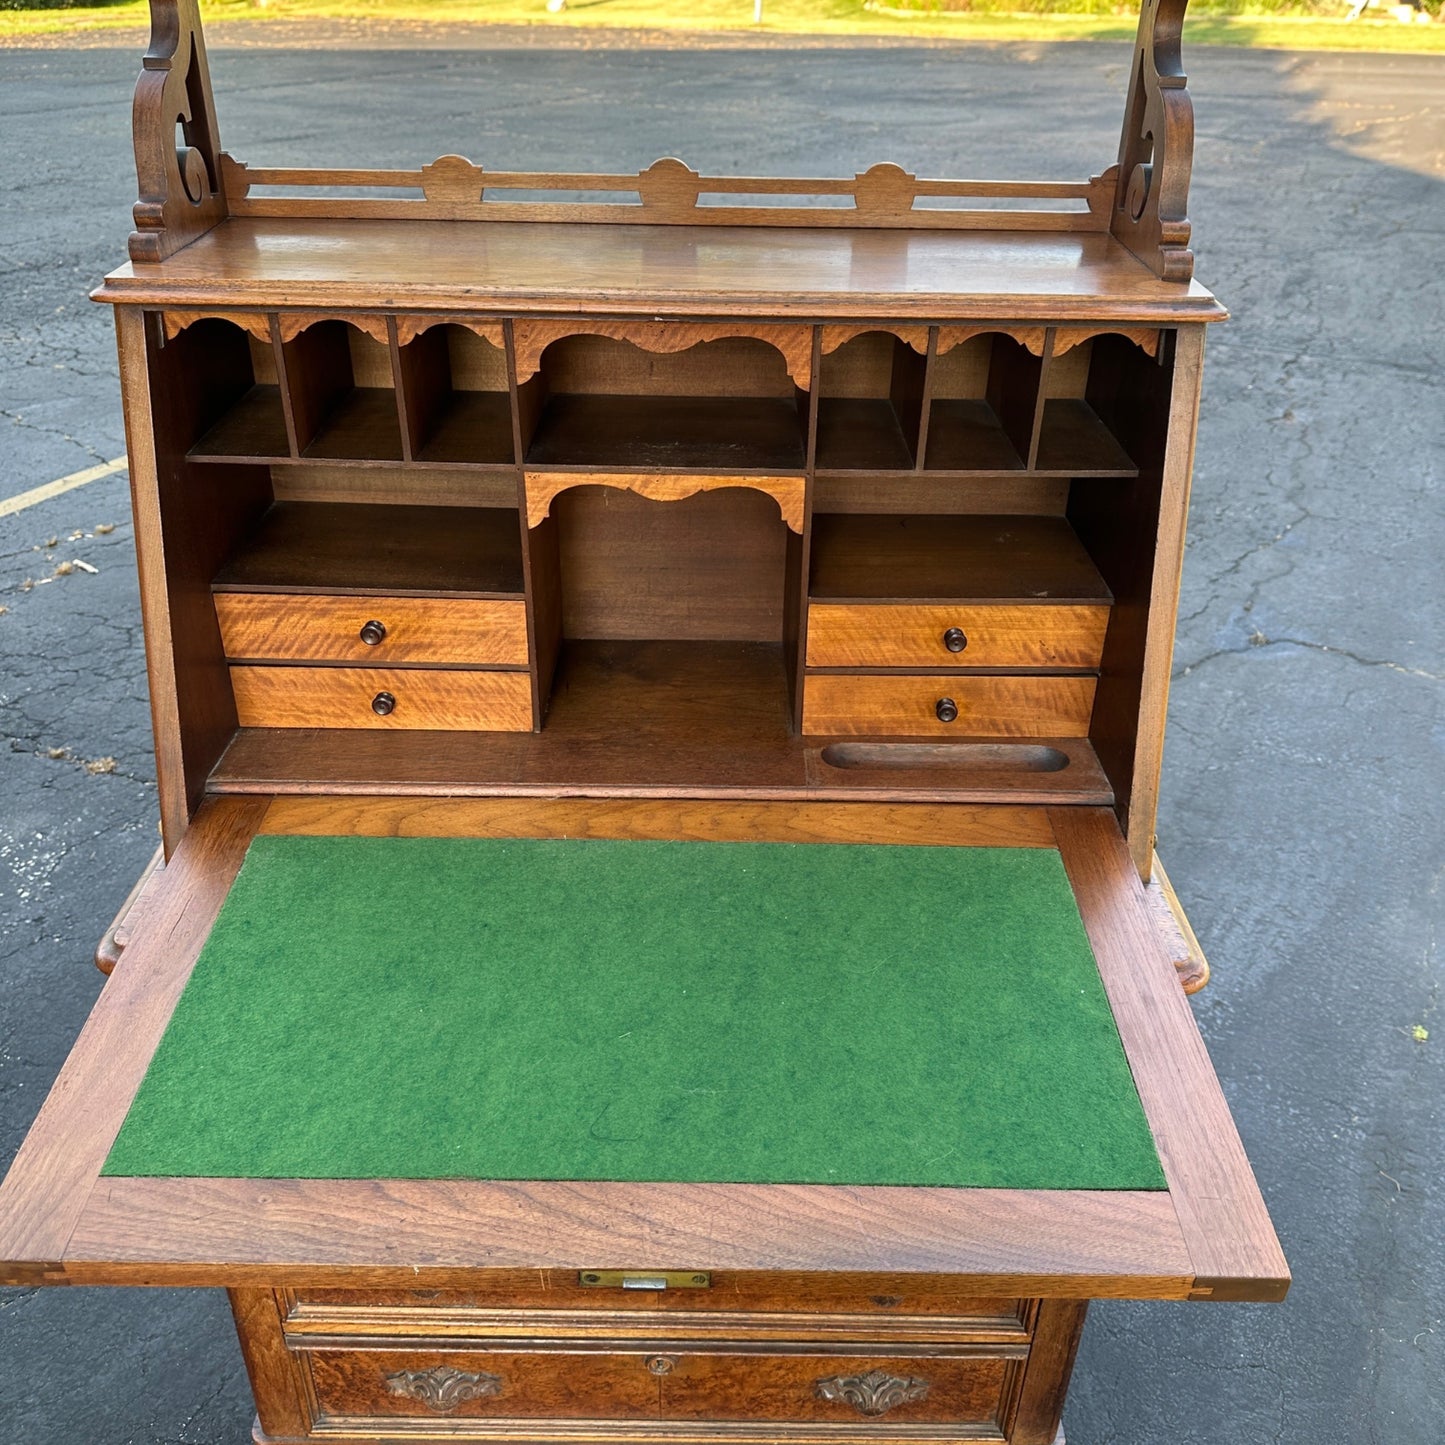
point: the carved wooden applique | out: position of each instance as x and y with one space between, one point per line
1157 146
875 1393
442 1388
177 146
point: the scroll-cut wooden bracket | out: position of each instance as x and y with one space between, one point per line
255 323
410 326
1146 338
543 487
913 336
1156 149
293 323
1032 338
795 343
177 145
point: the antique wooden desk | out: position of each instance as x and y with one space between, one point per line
822 538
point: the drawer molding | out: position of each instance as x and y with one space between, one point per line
875 1393
442 1388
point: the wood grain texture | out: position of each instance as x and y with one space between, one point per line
543 487
414 1234
130 914
880 704
838 335
276 1383
693 273
411 324
293 323
956 825
1231 1241
1031 338
255 323
447 631
1180 942
1058 1328
48 1183
343 697
1146 338
904 635
795 343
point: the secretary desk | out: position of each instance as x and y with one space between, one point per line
658 685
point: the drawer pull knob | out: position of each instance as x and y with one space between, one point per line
373 633
661 1364
442 1388
383 704
946 710
875 1393
955 639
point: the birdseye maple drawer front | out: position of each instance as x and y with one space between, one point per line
963 1388
943 706
966 634
291 627
378 697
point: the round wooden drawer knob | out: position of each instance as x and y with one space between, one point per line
946 710
374 632
662 1364
954 639
383 704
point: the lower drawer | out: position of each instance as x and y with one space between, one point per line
377 697
969 1391
861 705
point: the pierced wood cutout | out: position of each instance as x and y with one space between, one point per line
543 487
177 144
293 323
1030 337
410 326
532 338
914 336
1146 338
1151 203
670 193
257 323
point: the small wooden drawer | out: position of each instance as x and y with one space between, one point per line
968 1391
867 705
297 627
964 634
378 697
729 1306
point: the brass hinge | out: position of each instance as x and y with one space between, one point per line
643 1279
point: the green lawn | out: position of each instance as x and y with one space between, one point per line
1261 24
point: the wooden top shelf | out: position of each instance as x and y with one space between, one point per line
553 267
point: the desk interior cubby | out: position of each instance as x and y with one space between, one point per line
870 403
456 400
983 397
726 405
232 391
342 389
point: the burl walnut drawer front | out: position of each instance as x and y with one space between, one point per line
955 635
964 706
367 697
969 1392
290 627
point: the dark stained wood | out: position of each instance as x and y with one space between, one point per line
1072 439
966 435
280 1393
128 917
1057 1330
668 432
254 428
917 559
379 551
532 268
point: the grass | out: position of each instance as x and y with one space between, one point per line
1260 25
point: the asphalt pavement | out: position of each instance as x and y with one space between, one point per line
1301 817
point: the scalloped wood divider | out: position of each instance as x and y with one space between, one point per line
1031 337
543 487
411 325
914 336
257 323
1146 338
531 338
293 323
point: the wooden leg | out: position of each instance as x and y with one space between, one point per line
1051 1363
280 1403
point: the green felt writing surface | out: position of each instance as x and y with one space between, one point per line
567 1009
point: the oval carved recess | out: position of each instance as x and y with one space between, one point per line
875 1393
795 343
442 1388
543 487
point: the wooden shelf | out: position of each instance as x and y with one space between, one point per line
710 718
861 434
254 427
381 551
1073 440
1015 559
668 433
474 429
966 436
362 426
